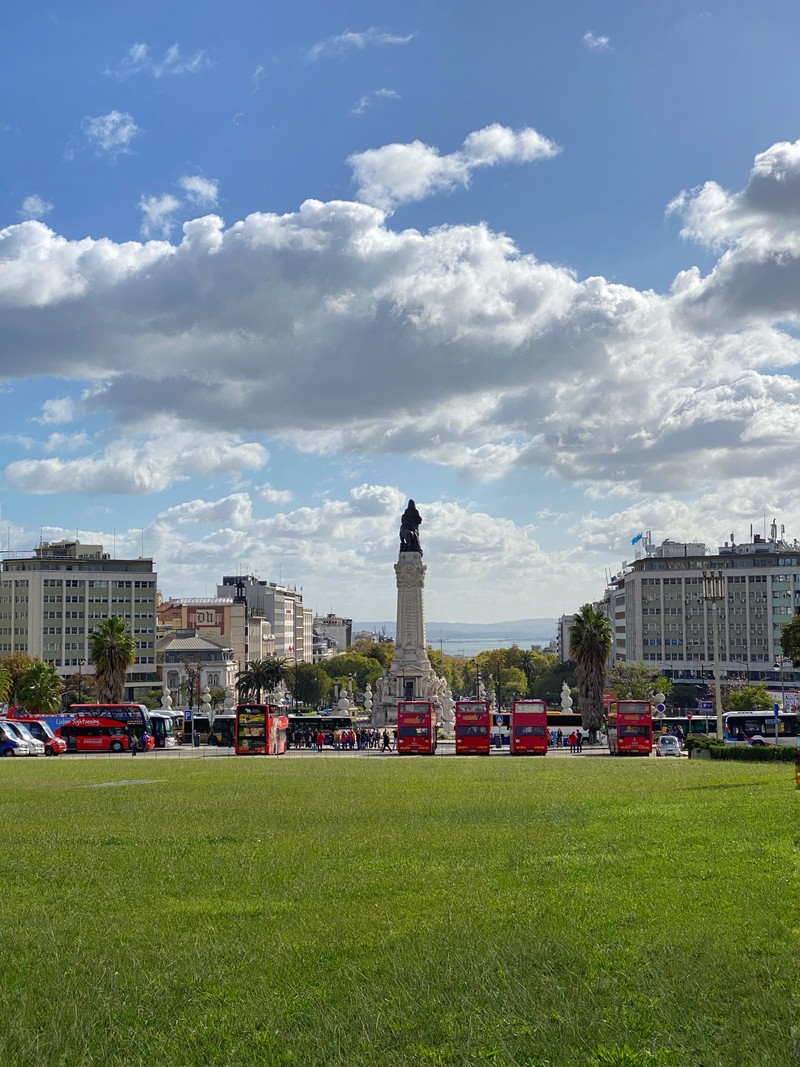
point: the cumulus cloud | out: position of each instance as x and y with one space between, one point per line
354 40
139 61
35 207
596 42
57 410
364 103
275 496
200 191
158 214
399 173
138 466
112 133
329 321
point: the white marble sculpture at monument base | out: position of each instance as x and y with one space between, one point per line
410 676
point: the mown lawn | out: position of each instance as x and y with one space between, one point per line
388 911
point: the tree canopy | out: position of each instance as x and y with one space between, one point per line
790 640
636 680
749 698
39 688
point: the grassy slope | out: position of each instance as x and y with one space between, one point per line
388 911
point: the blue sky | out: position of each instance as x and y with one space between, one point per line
268 271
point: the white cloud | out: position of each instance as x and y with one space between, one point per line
56 411
352 40
596 42
158 212
330 321
399 173
35 207
200 191
364 103
111 133
66 442
139 61
275 496
138 466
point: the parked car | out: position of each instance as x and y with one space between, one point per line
667 745
12 743
53 746
36 747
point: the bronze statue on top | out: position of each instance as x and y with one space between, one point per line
409 529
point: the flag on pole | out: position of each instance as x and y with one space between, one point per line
637 538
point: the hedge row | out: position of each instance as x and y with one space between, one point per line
754 753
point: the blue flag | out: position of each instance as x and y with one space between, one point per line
637 538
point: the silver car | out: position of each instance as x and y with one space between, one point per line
668 745
35 747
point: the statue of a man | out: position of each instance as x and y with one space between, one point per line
409 529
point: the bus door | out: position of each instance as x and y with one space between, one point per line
529 728
416 727
472 727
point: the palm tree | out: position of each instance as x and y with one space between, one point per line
590 647
260 676
39 688
112 650
6 682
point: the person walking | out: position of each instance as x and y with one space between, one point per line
387 744
572 742
578 740
320 741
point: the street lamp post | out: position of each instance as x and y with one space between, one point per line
81 663
713 592
778 666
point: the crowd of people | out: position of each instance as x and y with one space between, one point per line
343 740
557 739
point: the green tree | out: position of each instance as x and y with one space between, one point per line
750 698
382 651
637 680
260 677
790 640
16 664
112 650
310 684
547 685
365 668
6 682
39 688
590 646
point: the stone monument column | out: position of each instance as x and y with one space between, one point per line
410 676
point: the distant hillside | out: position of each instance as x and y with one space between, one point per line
521 631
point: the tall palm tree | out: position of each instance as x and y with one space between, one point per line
39 688
112 650
260 677
590 647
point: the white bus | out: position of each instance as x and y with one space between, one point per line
761 727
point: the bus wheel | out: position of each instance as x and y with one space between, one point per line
49 751
117 746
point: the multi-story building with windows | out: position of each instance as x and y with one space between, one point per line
224 619
53 598
337 629
190 662
660 608
282 606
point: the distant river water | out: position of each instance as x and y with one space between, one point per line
470 647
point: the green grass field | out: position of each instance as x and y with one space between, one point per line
388 911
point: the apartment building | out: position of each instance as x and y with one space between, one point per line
338 630
660 605
282 607
53 598
224 619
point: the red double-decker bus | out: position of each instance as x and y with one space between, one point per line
630 728
529 728
259 730
472 727
416 727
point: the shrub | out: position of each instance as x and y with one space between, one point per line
755 753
